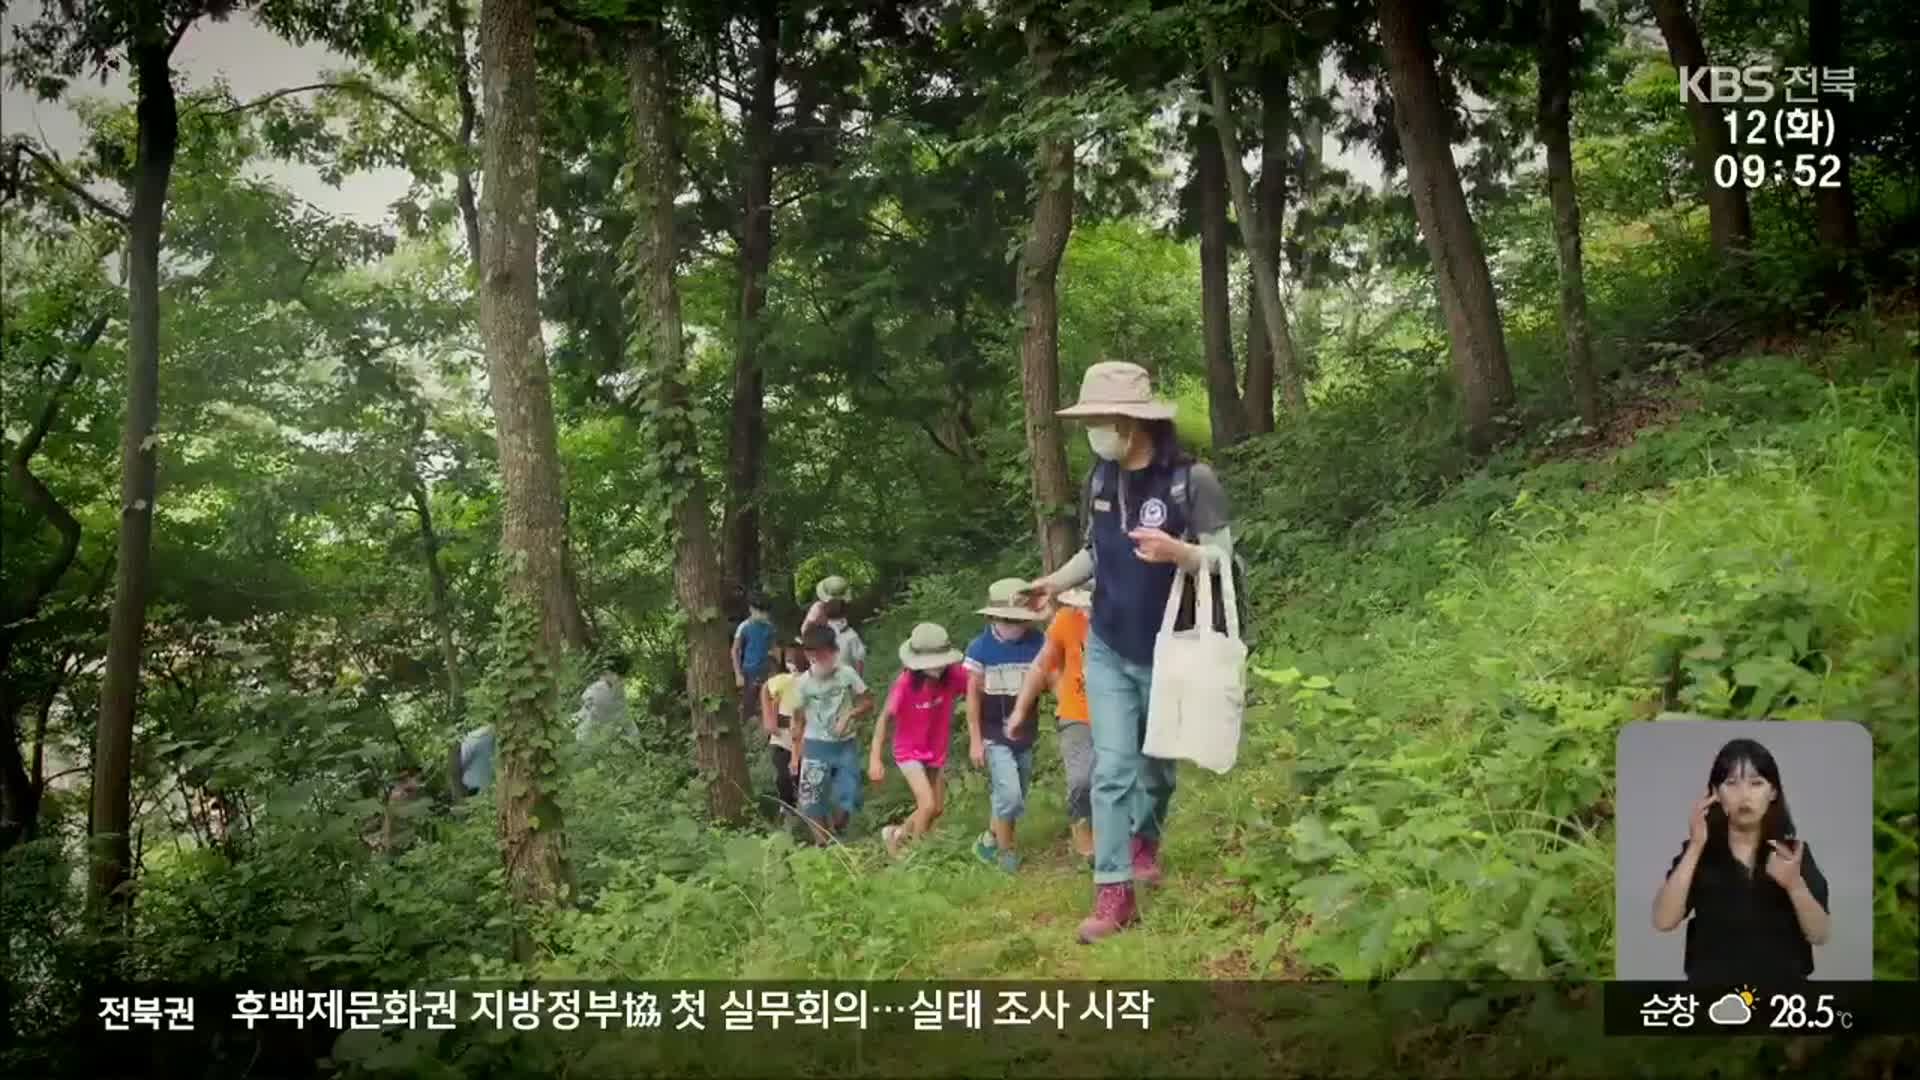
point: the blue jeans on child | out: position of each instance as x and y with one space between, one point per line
1131 791
829 768
1009 775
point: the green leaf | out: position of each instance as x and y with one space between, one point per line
1284 677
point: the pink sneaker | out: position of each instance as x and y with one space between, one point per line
1113 909
1146 859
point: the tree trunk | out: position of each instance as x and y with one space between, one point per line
533 533
443 629
19 795
1556 110
158 120
1477 342
1728 220
469 119
1834 218
719 749
1224 410
1270 202
1054 501
746 446
1264 262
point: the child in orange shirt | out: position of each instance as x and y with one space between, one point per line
1061 668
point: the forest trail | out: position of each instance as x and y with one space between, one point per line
1196 923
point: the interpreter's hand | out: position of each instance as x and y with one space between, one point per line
1015 722
739 681
1697 825
1155 546
1783 866
978 754
874 772
797 761
1039 594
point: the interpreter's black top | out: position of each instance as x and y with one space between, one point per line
1743 928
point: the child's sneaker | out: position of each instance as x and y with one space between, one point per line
1009 861
986 850
1113 910
1146 859
890 836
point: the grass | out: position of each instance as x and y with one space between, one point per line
1426 786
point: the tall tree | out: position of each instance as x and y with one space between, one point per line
1224 410
1046 242
719 748
1275 85
1264 263
1556 110
1476 339
1834 216
534 525
740 542
1728 219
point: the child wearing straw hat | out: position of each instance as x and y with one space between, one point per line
997 662
830 589
1061 667
920 705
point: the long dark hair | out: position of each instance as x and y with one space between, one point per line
1167 450
1775 824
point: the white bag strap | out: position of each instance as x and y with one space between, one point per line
1227 594
1173 600
1203 599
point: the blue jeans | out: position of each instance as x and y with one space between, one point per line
1131 791
1009 775
829 768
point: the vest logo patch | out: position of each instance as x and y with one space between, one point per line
1102 505
1153 514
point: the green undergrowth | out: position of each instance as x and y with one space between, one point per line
1425 788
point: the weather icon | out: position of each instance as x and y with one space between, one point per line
1733 1009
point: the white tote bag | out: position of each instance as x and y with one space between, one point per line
1199 680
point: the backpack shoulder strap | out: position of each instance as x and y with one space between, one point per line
1096 483
1182 477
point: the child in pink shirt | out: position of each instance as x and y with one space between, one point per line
920 704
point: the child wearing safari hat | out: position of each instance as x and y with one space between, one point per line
1061 667
830 589
920 704
997 662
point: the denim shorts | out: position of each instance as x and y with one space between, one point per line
829 769
1009 775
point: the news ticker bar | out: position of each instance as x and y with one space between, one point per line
696 1010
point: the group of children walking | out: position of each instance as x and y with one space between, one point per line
810 695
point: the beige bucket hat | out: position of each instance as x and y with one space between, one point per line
928 648
1004 601
1117 388
830 587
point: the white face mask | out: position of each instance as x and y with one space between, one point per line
1107 442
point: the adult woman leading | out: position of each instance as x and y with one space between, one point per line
1759 904
1146 496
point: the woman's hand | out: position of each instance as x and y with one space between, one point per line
977 752
1014 722
797 760
1040 593
874 772
739 681
1155 546
1697 823
1783 866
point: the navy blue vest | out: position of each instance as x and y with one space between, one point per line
1130 594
